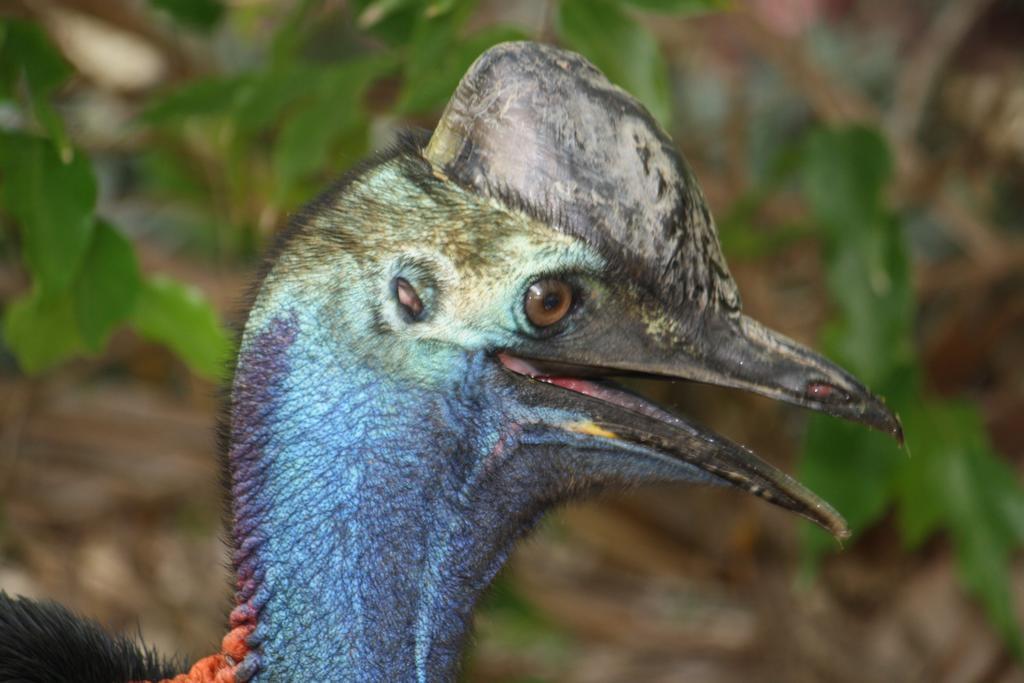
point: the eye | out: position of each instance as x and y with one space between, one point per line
548 301
408 299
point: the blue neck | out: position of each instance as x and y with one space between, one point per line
369 514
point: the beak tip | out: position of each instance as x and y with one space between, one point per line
877 415
891 424
897 431
832 522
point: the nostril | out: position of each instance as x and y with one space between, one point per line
825 393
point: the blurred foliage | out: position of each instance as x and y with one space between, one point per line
85 275
199 14
954 481
230 152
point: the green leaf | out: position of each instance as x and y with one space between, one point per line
436 8
336 109
53 203
429 60
107 286
395 25
623 49
41 331
25 50
852 468
51 122
27 57
678 6
198 14
985 567
180 317
956 481
843 174
439 67
869 279
292 31
213 96
171 174
377 10
264 96
933 440
305 143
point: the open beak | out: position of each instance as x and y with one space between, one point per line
733 351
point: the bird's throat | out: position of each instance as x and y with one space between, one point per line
359 552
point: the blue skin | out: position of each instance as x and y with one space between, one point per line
384 509
383 468
358 515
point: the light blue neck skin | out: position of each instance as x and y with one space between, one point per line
374 549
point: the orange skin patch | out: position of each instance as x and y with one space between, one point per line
218 668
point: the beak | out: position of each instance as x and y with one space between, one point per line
742 353
732 351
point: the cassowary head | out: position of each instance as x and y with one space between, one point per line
550 227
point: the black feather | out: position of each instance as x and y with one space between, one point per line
45 643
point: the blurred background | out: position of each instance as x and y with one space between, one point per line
864 161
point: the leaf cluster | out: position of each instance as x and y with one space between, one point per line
86 279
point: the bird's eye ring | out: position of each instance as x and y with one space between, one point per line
548 301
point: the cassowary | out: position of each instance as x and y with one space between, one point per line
422 376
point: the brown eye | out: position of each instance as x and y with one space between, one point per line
548 301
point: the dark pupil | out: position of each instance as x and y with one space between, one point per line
552 300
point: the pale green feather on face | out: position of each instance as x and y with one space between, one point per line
469 258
